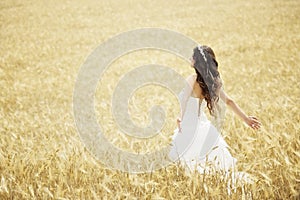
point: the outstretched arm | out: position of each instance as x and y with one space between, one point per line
187 91
250 120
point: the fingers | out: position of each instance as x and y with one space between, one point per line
254 120
179 126
253 117
255 124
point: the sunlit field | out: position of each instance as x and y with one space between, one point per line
43 44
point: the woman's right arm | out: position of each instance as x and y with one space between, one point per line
186 93
250 120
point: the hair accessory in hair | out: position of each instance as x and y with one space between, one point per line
202 52
208 72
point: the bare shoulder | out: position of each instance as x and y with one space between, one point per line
197 91
191 79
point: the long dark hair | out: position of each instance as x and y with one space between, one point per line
208 76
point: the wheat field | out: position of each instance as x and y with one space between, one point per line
43 44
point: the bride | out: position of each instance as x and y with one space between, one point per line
197 142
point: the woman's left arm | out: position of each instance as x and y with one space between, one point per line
251 121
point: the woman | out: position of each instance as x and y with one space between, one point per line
197 141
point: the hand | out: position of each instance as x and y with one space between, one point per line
179 124
253 122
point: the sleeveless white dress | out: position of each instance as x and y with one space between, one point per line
199 146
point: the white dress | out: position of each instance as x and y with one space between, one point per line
199 146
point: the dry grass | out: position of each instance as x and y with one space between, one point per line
43 45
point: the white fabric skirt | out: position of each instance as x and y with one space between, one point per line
200 146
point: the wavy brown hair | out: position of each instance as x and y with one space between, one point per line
208 76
